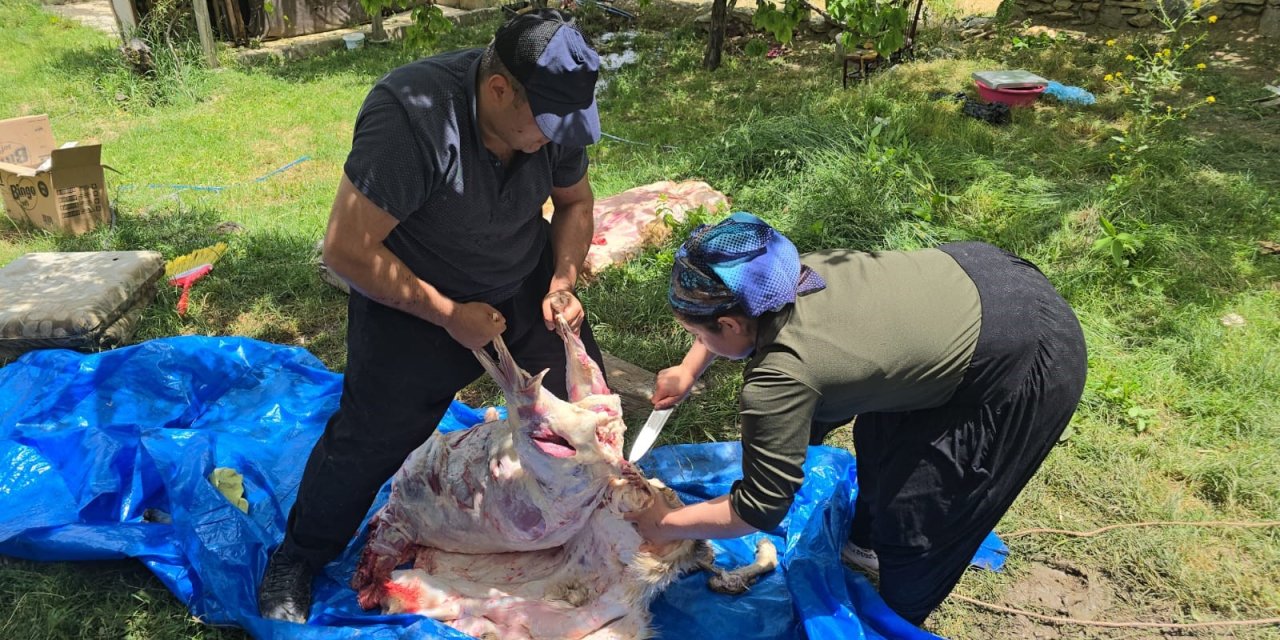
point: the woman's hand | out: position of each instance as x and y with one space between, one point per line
671 386
649 524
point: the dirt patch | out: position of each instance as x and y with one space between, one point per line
1057 589
1061 589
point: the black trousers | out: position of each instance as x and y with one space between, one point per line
933 483
402 373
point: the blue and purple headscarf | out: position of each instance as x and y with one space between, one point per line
739 261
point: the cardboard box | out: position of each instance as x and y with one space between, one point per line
55 188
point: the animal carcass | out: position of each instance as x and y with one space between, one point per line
515 527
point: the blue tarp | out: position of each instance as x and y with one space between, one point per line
91 443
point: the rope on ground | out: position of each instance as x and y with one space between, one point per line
1117 625
1127 625
1129 525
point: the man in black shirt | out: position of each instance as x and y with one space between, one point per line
437 227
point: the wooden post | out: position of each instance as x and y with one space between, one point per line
206 32
126 18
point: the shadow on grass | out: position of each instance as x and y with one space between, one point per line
84 600
265 286
372 60
176 78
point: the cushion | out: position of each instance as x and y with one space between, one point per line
78 300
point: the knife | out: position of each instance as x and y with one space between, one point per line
649 434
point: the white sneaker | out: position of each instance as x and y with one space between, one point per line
859 558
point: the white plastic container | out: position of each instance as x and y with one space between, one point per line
353 40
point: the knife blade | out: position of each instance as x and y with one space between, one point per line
649 434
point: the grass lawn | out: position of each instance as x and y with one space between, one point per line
1179 419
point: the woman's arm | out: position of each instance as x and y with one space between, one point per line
674 383
710 520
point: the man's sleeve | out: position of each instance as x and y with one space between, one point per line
570 166
776 413
386 163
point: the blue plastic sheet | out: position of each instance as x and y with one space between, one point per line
92 445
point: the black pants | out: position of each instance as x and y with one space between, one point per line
933 483
402 373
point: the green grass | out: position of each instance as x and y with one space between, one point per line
1179 420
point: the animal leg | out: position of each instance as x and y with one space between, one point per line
739 580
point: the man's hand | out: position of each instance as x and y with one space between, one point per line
474 324
562 301
671 386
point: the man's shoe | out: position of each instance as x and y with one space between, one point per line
857 557
285 591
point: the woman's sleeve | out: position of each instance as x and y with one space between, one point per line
776 413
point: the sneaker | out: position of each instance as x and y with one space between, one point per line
857 557
285 592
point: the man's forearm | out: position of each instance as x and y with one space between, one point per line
384 278
572 228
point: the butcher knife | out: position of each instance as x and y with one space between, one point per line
649 434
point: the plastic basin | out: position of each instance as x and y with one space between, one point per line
1022 97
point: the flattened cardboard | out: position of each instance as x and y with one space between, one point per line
25 141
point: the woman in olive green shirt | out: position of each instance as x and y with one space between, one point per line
961 364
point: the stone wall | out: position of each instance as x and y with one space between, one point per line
1255 16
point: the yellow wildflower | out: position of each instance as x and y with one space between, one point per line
1195 5
1112 42
1111 156
1108 78
1119 74
1186 46
1213 19
1211 99
1166 53
1201 66
1168 109
1130 58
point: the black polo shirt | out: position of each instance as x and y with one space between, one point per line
468 226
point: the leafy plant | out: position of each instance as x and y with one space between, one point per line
878 24
1122 396
1117 244
1153 81
1030 42
1140 418
881 23
428 22
160 64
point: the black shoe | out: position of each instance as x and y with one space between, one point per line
285 592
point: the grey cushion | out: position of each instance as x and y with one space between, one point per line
84 300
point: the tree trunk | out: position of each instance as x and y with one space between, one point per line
377 33
715 40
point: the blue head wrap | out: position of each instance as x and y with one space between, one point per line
739 261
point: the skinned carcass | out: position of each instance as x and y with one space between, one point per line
516 527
